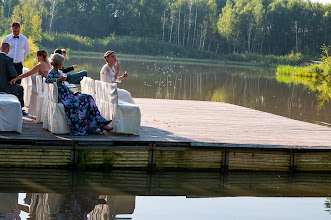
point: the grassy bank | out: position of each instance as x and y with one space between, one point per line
316 77
154 48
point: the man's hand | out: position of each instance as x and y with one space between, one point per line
13 81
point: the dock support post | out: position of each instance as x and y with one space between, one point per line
225 161
74 155
293 162
152 157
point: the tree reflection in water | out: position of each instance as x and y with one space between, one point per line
322 86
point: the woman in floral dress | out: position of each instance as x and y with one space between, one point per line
81 112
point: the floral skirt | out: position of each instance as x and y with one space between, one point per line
81 112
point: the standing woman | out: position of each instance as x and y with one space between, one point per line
109 73
82 113
42 68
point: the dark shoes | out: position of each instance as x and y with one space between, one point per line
24 113
106 128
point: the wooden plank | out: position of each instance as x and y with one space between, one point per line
259 161
188 159
313 161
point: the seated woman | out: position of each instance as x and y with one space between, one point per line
81 112
42 68
110 75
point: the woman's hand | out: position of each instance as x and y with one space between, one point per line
13 81
118 67
62 78
125 75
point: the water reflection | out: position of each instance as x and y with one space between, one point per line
77 206
61 194
9 206
250 87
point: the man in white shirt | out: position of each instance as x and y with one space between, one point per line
19 47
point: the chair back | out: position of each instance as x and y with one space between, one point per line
51 92
39 83
34 83
112 95
88 86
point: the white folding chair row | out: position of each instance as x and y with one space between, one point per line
55 118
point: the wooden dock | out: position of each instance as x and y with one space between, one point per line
179 134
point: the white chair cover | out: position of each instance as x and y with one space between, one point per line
125 96
10 113
55 118
88 86
126 116
40 81
27 86
33 97
100 99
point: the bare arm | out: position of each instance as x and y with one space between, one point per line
118 67
34 70
123 76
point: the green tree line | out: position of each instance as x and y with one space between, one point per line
220 26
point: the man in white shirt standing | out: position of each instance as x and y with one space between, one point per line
19 47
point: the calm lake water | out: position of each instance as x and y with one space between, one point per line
60 194
255 88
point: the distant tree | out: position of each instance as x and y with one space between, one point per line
28 15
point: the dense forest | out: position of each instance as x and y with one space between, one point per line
220 26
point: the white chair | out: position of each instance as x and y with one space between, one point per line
40 81
10 113
55 118
27 86
88 86
33 97
102 101
126 116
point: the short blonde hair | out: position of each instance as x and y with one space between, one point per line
57 59
107 54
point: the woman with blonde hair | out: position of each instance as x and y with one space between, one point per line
82 113
109 73
42 68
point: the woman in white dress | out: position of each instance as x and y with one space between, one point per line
109 73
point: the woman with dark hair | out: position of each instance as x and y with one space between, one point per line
42 68
82 114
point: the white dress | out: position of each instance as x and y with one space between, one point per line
107 75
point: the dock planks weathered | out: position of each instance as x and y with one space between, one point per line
178 134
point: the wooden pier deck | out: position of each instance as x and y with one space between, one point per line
179 134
